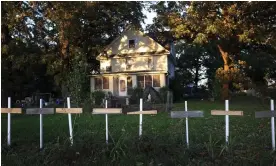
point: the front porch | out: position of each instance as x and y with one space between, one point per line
123 84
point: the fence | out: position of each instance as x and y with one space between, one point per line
106 111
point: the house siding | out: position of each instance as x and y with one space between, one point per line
104 64
147 58
140 63
134 81
143 44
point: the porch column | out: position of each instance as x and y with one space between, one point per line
92 84
134 81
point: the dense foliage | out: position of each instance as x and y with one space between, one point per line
236 31
41 42
226 45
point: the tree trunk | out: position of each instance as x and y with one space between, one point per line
63 40
5 36
196 80
225 87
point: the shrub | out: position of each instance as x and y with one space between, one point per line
163 93
76 80
97 97
137 93
88 105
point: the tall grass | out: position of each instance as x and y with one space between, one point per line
162 142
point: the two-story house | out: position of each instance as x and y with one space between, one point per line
132 60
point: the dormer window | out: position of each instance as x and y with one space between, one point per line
131 43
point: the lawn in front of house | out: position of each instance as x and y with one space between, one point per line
162 143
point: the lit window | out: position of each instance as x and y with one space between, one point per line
105 83
156 80
122 85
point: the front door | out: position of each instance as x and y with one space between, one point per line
122 86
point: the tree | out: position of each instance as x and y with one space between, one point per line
44 38
231 26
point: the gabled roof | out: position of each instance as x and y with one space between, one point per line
145 45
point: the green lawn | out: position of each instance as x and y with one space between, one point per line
163 141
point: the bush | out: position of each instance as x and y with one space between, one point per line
77 83
97 97
88 105
163 93
137 93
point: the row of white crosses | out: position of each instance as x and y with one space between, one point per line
107 111
41 111
174 114
226 112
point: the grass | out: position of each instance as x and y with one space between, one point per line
162 143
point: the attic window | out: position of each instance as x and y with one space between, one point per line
131 43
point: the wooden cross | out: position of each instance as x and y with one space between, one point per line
107 111
141 112
10 111
69 111
226 112
186 114
272 115
40 111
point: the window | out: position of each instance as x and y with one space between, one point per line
131 43
129 85
98 83
105 83
148 80
108 68
156 80
140 81
129 82
122 85
150 63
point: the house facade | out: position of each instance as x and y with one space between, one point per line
132 60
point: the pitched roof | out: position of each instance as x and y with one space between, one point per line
117 47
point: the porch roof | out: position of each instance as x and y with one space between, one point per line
131 72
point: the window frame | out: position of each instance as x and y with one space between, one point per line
152 80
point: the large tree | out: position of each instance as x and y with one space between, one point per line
49 35
231 26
